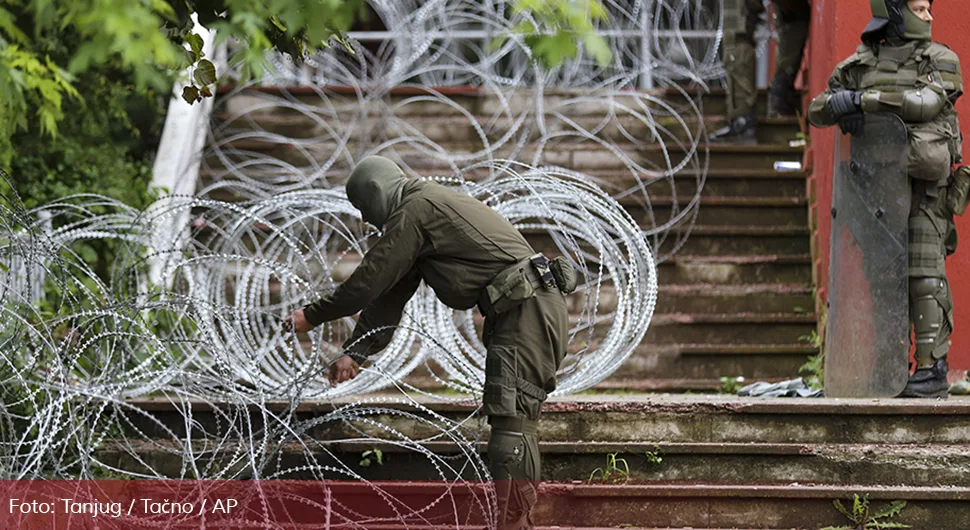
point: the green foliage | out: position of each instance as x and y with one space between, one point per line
370 456
153 39
616 470
863 518
654 457
731 385
813 371
106 148
555 29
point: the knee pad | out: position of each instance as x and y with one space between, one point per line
506 453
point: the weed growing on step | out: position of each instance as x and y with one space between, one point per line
864 519
813 370
731 385
654 457
616 470
370 456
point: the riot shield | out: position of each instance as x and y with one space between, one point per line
867 327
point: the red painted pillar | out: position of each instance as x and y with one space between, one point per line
836 25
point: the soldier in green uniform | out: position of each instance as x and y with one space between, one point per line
898 69
470 256
740 22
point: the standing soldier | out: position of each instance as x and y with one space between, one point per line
898 69
740 22
469 255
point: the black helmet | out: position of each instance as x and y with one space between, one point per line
894 18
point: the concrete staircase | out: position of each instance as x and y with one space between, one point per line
703 462
735 300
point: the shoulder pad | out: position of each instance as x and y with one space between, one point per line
862 55
941 52
947 63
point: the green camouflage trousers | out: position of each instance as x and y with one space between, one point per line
525 346
741 19
932 237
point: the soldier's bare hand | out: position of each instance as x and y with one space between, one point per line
297 322
343 369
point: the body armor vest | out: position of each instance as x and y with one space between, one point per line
935 145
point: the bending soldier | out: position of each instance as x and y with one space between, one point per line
898 69
470 256
740 22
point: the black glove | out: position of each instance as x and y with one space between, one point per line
844 102
852 123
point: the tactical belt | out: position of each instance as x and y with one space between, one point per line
514 424
538 282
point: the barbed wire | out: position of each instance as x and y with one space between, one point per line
577 157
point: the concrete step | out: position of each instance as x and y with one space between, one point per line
730 328
648 462
716 298
709 240
581 155
764 211
623 418
684 268
679 368
441 128
413 101
804 507
727 184
749 157
700 367
736 272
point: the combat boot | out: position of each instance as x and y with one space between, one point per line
740 130
928 382
782 99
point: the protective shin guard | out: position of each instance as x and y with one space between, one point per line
932 329
929 320
514 463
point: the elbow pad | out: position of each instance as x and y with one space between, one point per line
913 106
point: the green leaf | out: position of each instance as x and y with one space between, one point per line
9 25
205 72
597 47
892 510
365 462
205 92
838 506
195 41
279 24
190 94
553 50
163 8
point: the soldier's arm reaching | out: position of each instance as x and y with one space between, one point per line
375 326
383 267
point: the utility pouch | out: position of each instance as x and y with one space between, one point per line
565 274
501 364
510 288
958 191
929 152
